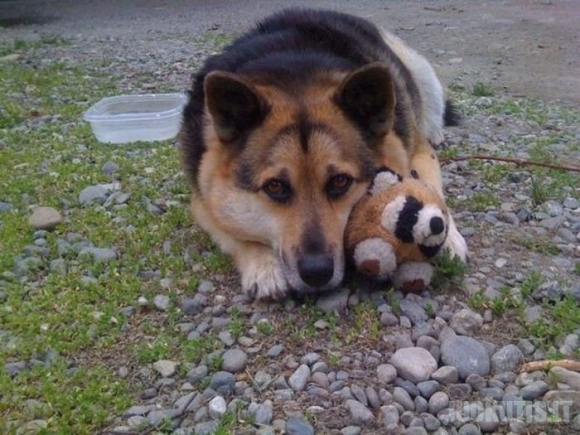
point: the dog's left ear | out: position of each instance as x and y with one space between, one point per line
367 96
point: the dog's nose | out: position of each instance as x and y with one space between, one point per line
316 270
437 225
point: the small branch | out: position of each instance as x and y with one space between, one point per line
548 364
518 162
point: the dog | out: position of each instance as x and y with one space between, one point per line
284 131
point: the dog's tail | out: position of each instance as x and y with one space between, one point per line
451 116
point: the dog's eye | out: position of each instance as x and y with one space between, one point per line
338 185
278 190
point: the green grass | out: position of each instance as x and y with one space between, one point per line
49 163
482 90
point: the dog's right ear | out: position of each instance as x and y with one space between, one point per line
234 105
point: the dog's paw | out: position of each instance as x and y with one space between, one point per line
264 280
413 277
455 244
375 258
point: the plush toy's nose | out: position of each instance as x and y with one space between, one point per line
437 225
316 270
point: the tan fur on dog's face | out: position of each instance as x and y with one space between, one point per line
308 144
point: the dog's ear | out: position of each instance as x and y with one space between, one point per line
367 96
234 105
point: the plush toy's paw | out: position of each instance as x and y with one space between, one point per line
384 179
413 277
375 258
455 243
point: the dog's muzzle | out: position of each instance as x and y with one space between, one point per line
316 270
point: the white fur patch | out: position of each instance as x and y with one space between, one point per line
383 180
455 243
422 229
414 270
377 249
391 212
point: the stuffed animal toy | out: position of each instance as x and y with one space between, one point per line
396 229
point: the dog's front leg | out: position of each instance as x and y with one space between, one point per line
261 272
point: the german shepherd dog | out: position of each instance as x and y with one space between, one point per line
284 131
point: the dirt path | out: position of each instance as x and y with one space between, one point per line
525 47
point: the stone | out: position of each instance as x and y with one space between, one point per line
466 322
416 430
488 420
110 168
437 402
389 319
386 373
507 359
165 368
469 429
467 355
297 381
334 301
428 388
196 374
45 218
414 364
263 414
217 407
223 383
275 351
390 418
567 377
298 426
161 302
359 413
206 428
413 311
98 254
535 390
234 360
445 375
403 398
350 430
97 193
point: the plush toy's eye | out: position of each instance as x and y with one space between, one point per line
338 185
278 190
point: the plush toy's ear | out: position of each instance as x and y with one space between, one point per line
384 179
235 106
367 96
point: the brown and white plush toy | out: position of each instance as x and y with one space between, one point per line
396 229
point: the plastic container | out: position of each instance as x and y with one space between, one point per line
130 118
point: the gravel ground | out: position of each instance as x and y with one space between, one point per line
442 362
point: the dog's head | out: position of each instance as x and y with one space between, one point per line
284 167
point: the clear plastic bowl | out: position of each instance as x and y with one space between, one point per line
130 118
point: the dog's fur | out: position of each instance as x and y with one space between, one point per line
284 131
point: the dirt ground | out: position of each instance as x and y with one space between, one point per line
523 47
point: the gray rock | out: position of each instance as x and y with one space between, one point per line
13 368
431 423
138 410
206 428
95 194
476 381
129 311
45 218
488 420
567 377
403 398
445 375
526 346
156 417
98 254
165 368
414 364
390 418
162 302
428 388
386 373
575 425
275 350
263 413
389 319
466 322
494 393
467 355
110 168
217 407
571 203
372 397
197 374
334 301
297 381
350 430
359 394
469 429
234 360
298 426
192 306
507 359
413 311
437 402
5 206
421 404
359 414
552 223
534 390
223 383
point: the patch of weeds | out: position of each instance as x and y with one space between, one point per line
481 201
537 245
196 349
448 269
478 302
393 302
265 327
577 268
539 191
160 348
215 363
366 324
217 262
215 40
481 89
531 283
237 324
504 302
495 173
